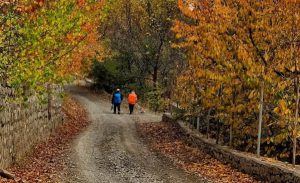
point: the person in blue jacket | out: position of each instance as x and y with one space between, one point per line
117 100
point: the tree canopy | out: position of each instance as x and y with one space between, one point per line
42 41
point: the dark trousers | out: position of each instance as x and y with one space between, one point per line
117 106
131 108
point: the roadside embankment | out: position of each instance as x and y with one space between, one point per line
262 168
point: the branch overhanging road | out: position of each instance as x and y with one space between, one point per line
110 151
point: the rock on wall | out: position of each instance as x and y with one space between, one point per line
259 167
23 126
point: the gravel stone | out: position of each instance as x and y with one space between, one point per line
110 151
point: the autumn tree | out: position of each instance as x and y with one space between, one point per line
9 38
235 59
139 36
287 55
44 40
213 57
44 43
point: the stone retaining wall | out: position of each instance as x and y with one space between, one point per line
23 126
261 168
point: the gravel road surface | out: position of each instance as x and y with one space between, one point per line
110 151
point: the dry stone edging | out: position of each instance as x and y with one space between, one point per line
245 162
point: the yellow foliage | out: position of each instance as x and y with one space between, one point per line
234 46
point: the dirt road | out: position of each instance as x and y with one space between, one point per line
110 151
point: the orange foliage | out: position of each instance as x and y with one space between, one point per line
81 3
89 46
190 7
31 6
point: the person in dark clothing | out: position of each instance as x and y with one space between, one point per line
117 100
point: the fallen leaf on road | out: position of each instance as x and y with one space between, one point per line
47 159
170 140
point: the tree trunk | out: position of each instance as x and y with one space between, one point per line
207 123
261 102
49 101
191 124
231 134
155 76
219 123
233 116
295 131
295 62
194 122
218 132
198 123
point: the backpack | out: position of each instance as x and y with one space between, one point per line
117 98
132 98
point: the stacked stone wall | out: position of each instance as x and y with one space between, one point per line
25 124
262 168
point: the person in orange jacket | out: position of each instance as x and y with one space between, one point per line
132 100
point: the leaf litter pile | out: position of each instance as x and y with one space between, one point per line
169 139
46 159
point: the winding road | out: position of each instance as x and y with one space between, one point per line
110 151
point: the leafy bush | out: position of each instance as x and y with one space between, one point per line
156 101
106 76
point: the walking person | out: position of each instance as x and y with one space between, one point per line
117 100
132 100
